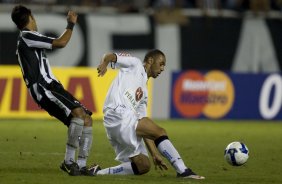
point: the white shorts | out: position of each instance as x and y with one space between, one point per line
121 126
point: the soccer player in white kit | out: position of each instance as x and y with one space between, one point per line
126 121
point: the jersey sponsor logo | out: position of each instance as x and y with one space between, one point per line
210 94
128 95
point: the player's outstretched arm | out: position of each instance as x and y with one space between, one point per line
107 58
157 158
63 40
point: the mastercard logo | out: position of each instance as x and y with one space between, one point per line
210 94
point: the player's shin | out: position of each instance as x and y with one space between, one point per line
85 144
126 168
166 148
74 134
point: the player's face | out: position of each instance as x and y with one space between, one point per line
158 66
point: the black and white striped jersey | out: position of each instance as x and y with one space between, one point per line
32 57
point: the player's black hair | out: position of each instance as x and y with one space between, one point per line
20 16
153 53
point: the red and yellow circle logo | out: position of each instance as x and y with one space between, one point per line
211 94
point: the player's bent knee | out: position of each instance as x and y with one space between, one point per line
143 168
78 113
88 121
142 163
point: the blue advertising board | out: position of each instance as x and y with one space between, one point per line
224 95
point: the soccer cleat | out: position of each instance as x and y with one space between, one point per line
72 169
188 173
92 171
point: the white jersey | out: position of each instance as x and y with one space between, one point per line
129 88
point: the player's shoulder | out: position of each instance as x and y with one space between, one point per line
30 34
124 54
134 60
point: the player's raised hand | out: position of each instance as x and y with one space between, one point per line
102 69
72 17
159 163
107 58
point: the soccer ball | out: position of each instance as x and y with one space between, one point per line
236 153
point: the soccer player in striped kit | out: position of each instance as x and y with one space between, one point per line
48 92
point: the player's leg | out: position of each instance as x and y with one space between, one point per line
73 114
74 133
45 98
75 123
85 142
142 164
79 136
84 137
80 126
138 165
148 129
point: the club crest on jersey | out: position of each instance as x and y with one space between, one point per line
138 94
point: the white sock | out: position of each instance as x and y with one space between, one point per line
81 162
74 133
166 148
85 144
122 169
70 154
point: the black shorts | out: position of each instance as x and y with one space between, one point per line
56 100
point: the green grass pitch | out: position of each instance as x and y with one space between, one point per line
32 150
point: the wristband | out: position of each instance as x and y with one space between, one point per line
70 25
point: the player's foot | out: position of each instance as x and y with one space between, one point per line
188 173
91 171
72 169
